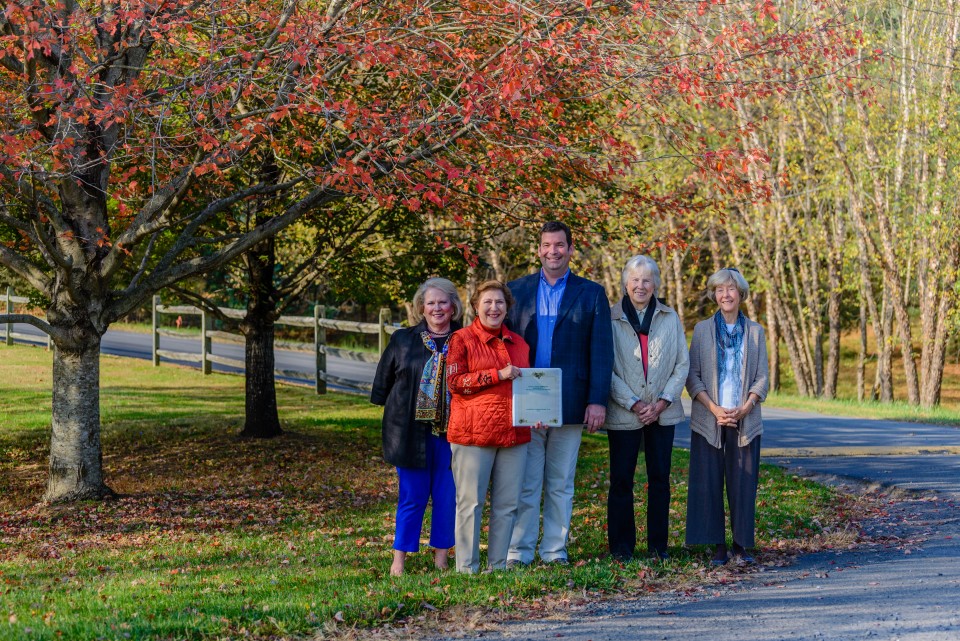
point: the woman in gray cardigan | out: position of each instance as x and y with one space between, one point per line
649 367
727 381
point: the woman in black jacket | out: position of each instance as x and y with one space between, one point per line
411 385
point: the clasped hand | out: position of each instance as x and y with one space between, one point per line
730 417
648 413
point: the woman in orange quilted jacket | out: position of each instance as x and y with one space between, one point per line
482 361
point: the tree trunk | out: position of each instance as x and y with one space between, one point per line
679 294
773 346
836 236
862 353
262 419
666 275
714 245
611 275
493 255
885 358
939 246
76 466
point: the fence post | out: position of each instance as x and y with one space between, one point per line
9 329
384 337
206 343
154 326
319 346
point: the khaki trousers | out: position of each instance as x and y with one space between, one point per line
474 469
551 468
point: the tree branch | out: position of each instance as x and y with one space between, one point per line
27 270
30 319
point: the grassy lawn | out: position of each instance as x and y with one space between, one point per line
895 411
216 537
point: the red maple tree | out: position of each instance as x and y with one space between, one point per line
131 130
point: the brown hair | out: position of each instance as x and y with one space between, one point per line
486 286
554 226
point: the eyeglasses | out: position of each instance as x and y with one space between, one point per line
732 269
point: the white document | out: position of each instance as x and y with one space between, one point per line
538 397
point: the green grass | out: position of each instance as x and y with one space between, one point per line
216 537
895 411
167 322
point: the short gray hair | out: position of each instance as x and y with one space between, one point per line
641 263
444 286
729 275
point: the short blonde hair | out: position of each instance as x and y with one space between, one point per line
444 286
641 263
728 275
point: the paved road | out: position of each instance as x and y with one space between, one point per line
137 345
907 587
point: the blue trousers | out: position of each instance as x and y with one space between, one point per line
417 487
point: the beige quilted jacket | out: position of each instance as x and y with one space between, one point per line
667 365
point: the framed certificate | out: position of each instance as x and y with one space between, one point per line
538 397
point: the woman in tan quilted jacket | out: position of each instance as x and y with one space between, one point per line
727 381
649 369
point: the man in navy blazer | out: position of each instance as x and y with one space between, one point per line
566 321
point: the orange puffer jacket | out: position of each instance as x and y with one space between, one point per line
481 412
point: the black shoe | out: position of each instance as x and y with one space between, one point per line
513 564
557 561
741 553
719 556
621 557
659 555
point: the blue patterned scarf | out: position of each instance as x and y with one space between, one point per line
433 398
730 340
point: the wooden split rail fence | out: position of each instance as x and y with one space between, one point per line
10 301
318 323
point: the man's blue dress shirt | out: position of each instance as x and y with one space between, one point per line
548 306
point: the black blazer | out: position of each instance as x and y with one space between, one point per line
582 339
395 387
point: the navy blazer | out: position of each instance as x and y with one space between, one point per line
582 339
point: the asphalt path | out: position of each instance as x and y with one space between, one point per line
904 586
137 345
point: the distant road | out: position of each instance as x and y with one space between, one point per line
137 345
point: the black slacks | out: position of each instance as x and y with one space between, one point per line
711 469
657 442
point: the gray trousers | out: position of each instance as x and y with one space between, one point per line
473 470
711 469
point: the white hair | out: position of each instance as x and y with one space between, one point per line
726 276
641 263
